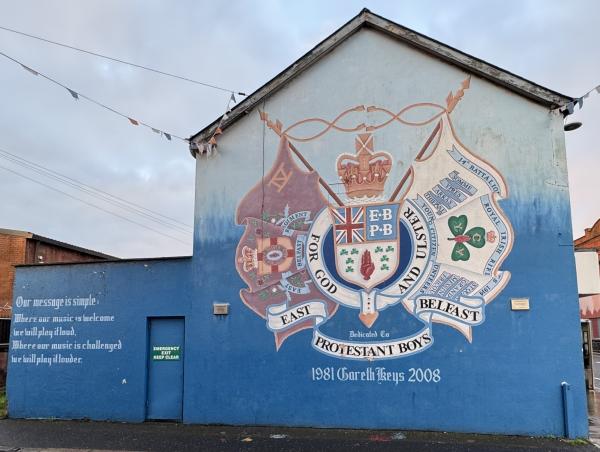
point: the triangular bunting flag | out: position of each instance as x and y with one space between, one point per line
155 130
212 141
570 107
232 98
218 131
73 93
134 122
598 89
580 102
167 135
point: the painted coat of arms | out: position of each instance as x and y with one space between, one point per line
432 243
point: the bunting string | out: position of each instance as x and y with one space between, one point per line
211 145
117 60
77 95
569 108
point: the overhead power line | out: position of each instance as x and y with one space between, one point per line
95 192
93 205
139 66
76 95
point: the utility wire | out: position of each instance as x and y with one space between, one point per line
46 169
77 95
92 205
139 66
97 193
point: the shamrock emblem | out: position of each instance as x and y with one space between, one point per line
474 237
378 249
296 280
343 252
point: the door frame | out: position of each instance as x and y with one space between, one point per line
147 364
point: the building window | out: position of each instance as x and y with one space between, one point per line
4 331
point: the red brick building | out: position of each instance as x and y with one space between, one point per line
20 247
589 305
591 239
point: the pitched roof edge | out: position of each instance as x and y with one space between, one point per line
108 261
495 74
71 247
16 233
366 18
277 82
41 238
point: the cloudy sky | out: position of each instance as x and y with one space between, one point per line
238 45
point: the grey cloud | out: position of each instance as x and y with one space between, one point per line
238 44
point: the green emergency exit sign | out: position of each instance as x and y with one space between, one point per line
166 352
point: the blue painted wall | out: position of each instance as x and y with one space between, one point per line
105 385
507 380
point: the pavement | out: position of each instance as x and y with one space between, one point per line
596 363
594 404
53 436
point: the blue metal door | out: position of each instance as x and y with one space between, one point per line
165 368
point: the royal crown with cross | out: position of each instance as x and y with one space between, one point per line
364 174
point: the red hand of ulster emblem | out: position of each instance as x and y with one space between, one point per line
367 267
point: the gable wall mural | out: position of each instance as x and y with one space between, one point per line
379 215
368 225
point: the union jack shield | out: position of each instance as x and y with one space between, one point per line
366 242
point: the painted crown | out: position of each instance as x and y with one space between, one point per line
365 173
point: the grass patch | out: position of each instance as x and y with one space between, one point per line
3 404
577 442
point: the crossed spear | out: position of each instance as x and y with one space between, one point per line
451 101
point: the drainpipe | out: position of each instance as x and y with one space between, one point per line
567 399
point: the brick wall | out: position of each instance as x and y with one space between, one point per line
591 238
12 251
15 249
38 252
